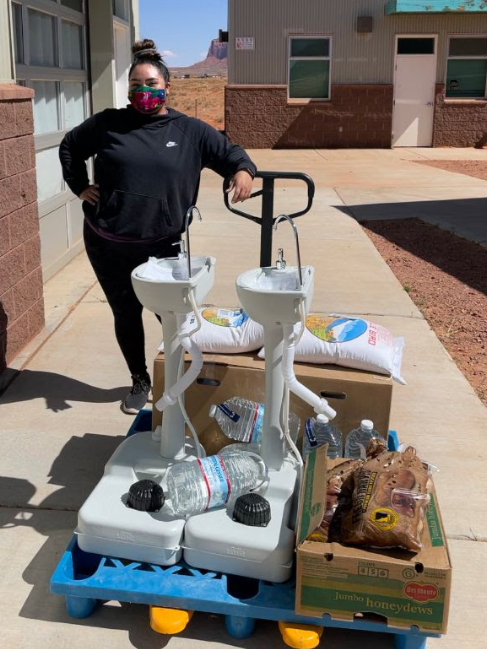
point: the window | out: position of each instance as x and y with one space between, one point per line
76 5
467 67
415 45
72 46
49 173
74 104
46 106
309 68
42 39
18 33
50 55
120 9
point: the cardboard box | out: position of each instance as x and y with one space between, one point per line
347 582
354 394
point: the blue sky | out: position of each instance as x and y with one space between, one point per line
182 28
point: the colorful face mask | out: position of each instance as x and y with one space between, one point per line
146 99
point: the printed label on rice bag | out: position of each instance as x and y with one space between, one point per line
225 317
379 336
336 330
216 480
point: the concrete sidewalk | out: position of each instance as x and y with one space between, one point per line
60 419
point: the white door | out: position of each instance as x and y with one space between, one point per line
414 91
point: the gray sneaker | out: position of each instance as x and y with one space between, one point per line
138 395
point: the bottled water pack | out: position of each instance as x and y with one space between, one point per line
242 420
320 431
196 486
358 439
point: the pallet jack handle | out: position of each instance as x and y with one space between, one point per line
267 219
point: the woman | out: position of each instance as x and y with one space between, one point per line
147 174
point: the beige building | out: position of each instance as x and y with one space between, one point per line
60 61
343 73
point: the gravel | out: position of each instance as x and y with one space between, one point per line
446 277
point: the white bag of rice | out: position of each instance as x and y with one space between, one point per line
349 342
225 331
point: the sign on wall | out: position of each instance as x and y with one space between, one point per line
244 43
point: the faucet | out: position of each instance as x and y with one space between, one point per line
189 214
295 230
281 262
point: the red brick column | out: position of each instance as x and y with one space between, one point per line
21 293
357 115
459 122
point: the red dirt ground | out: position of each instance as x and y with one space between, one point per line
446 278
202 98
475 168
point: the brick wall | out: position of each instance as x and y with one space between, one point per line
459 122
21 295
356 116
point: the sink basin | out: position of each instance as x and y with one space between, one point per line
271 296
162 285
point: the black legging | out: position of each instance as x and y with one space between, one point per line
113 263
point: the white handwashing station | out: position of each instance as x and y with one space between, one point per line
107 525
277 297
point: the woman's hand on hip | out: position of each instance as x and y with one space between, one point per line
91 194
241 186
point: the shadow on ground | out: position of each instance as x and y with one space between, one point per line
436 211
453 254
57 527
57 390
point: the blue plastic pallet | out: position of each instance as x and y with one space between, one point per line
86 579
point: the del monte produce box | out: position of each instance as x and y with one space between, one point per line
405 588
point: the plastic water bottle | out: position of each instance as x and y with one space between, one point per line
242 420
358 439
245 447
196 486
320 431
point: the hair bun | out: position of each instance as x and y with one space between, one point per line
145 53
146 49
146 44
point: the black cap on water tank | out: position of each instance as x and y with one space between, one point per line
146 496
252 510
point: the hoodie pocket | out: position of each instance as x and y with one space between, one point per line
135 216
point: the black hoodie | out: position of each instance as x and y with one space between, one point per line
148 169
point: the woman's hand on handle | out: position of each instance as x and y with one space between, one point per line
91 194
241 186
